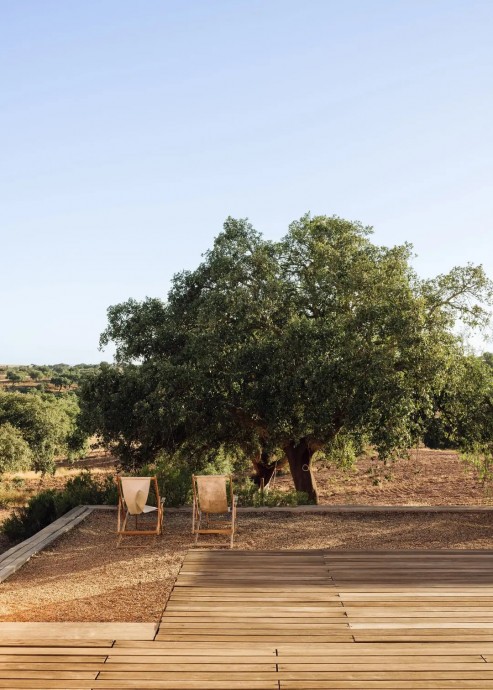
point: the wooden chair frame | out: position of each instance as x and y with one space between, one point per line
124 514
226 526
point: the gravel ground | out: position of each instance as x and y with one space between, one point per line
84 577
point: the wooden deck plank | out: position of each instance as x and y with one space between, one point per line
36 632
240 620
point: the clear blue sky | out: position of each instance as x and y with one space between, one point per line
129 130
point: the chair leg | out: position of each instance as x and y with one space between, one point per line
197 526
194 516
123 527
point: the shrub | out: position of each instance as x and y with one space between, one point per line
174 472
38 513
51 504
249 495
85 489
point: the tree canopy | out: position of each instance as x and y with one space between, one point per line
15 453
284 347
35 428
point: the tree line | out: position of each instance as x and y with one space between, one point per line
45 377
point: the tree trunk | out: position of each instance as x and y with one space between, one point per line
300 463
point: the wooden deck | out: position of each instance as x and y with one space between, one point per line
291 619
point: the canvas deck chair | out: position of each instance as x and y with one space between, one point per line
214 506
133 493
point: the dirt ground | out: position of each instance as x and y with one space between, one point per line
31 483
84 577
426 477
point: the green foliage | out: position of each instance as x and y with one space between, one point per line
13 376
174 472
249 495
15 453
463 410
36 374
47 424
61 381
480 456
51 504
174 480
284 345
58 375
24 522
464 414
343 450
118 405
86 489
487 358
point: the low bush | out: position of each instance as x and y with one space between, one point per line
174 473
86 489
51 504
249 495
26 521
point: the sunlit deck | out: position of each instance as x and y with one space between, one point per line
282 620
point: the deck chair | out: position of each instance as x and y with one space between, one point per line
213 505
133 493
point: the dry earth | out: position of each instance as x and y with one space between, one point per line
426 477
84 577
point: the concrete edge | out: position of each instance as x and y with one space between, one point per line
357 508
338 508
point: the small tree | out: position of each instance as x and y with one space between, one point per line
13 376
463 412
61 381
15 454
36 374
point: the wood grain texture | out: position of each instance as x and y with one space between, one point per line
286 620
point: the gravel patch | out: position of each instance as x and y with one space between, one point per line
84 577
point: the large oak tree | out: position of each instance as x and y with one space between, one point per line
284 346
